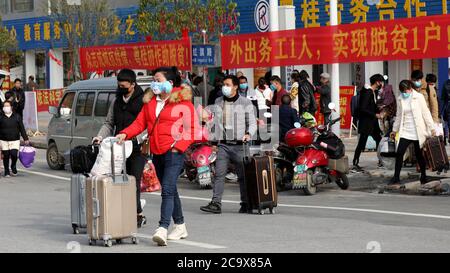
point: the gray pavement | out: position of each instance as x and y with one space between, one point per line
36 218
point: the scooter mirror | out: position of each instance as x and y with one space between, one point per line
297 125
332 106
267 115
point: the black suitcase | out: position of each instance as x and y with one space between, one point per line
435 154
82 158
260 182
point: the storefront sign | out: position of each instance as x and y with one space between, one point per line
148 55
203 55
418 38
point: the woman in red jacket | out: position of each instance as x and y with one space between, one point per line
170 118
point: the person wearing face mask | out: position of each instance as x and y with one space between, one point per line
428 92
414 124
11 128
122 112
278 90
170 118
235 124
369 115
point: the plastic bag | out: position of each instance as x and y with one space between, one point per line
27 155
103 162
150 181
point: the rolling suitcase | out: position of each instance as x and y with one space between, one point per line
78 202
435 154
111 206
260 182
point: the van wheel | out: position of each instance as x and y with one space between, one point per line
54 158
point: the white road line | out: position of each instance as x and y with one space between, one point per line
187 242
46 175
286 205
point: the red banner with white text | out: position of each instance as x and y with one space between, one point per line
148 55
416 38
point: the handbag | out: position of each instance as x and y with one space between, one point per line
387 148
150 181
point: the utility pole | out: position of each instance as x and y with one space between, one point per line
335 98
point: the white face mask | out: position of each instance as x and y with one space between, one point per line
7 110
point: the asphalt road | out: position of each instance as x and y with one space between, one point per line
35 217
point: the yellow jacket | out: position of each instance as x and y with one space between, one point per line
431 100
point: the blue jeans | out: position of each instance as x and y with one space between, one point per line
168 167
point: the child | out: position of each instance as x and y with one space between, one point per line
11 128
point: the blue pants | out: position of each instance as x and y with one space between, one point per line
168 167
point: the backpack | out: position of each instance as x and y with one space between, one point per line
354 105
82 158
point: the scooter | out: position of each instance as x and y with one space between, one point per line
314 166
199 164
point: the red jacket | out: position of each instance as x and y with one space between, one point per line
176 124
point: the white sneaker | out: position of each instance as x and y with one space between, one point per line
143 202
160 236
178 232
231 177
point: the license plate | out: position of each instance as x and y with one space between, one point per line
299 181
203 169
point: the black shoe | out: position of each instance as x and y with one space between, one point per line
212 207
244 208
393 181
423 179
357 169
141 221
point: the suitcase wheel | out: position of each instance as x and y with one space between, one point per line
135 240
92 242
108 243
272 211
261 212
119 241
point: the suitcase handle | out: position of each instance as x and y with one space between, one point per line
246 145
96 212
113 162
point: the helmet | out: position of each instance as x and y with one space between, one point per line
299 137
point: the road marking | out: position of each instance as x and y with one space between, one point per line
46 175
284 205
186 242
327 208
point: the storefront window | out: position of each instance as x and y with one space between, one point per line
22 5
41 70
3 6
68 69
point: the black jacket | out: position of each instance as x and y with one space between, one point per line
368 122
306 100
288 117
325 99
17 97
445 99
12 128
126 113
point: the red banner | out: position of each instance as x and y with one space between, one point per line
346 94
148 55
416 38
46 98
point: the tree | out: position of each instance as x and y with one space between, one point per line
91 23
7 42
167 19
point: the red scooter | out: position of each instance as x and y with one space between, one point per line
321 158
199 164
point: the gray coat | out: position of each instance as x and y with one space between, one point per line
244 119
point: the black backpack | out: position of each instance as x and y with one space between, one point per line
82 158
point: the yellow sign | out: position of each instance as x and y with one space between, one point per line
286 2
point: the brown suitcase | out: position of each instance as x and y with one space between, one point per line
435 154
260 182
111 207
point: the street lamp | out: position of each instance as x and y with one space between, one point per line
205 68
